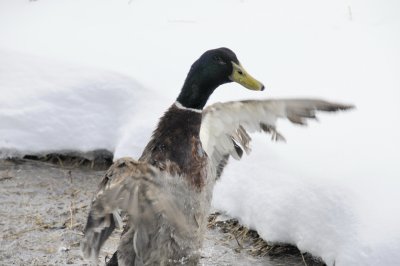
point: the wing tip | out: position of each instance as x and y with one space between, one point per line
345 107
96 232
333 107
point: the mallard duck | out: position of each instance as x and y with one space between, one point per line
166 194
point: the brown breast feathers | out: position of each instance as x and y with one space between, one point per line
175 146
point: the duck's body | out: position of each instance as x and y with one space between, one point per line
167 192
176 151
177 167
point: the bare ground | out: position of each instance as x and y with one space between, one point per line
44 206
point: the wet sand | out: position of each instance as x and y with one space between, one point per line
44 208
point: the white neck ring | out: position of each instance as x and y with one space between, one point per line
180 106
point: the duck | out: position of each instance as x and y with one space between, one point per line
166 194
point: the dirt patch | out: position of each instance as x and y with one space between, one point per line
93 160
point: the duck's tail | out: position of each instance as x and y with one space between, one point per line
137 189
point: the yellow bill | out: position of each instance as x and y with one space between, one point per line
240 75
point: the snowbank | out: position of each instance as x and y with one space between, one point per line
47 106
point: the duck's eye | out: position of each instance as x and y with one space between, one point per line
219 60
240 72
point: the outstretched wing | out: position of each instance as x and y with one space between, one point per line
225 126
131 186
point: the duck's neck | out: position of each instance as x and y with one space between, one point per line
194 94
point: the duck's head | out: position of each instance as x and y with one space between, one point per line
215 67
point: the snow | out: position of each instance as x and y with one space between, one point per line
47 106
82 75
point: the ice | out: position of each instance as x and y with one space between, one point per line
83 75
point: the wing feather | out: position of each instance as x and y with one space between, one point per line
227 125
